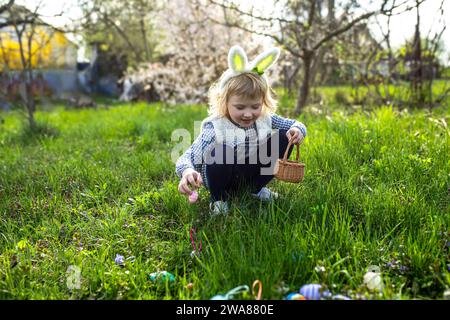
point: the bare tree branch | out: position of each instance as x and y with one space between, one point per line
6 6
342 30
390 11
248 14
302 36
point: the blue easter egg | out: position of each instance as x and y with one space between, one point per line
311 291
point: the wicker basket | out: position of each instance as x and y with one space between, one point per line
290 171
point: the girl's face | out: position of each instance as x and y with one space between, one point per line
244 111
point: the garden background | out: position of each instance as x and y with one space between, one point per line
89 205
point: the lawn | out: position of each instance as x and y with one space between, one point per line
96 184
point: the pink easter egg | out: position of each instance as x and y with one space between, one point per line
193 197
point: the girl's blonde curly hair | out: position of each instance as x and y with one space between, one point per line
248 85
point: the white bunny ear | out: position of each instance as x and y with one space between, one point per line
265 60
237 59
227 75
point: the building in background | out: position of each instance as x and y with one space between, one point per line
51 56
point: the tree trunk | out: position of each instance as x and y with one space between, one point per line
303 92
26 94
31 109
317 65
289 78
144 38
417 74
26 77
31 105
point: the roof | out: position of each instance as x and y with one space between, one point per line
25 13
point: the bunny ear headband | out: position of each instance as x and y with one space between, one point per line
238 63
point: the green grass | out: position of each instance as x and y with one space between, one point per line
329 98
96 183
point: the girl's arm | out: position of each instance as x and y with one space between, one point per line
286 124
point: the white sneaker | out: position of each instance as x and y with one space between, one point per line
266 195
218 207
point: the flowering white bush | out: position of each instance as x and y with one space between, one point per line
195 51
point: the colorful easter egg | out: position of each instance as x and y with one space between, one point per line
193 197
312 291
162 276
295 296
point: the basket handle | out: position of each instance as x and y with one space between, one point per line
297 156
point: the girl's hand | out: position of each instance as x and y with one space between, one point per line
191 178
295 135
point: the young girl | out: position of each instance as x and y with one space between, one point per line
242 138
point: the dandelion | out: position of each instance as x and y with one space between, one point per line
319 269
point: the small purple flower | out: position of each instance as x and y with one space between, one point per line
392 263
403 268
119 259
447 244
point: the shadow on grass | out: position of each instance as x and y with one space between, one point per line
27 135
